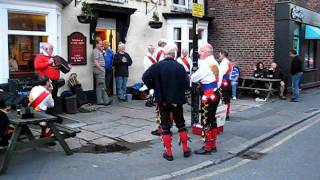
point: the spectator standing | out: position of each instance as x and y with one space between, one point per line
234 78
296 74
122 61
276 73
108 65
99 74
170 96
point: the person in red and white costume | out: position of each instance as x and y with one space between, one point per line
148 61
159 54
40 99
225 69
185 61
208 77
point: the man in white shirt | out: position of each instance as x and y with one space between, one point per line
148 61
185 61
40 99
225 69
208 77
159 55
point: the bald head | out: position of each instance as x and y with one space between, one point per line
205 51
151 49
47 47
162 42
170 50
274 65
184 52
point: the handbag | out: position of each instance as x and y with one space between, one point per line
62 64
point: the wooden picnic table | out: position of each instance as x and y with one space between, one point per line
21 127
248 83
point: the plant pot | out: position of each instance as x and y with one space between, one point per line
85 19
155 24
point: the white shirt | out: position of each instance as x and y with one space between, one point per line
188 70
204 75
223 69
147 62
161 56
47 102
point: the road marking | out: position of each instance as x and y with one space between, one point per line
246 161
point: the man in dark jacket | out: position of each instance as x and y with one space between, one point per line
296 74
169 80
276 73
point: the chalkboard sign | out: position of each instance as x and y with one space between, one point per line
77 49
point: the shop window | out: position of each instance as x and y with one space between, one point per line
296 37
177 39
22 50
310 54
26 22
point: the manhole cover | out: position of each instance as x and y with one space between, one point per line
252 155
98 149
312 110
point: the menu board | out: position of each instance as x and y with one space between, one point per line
77 49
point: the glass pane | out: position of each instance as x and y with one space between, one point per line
311 54
296 30
296 44
200 34
26 22
179 48
177 34
22 50
306 54
180 2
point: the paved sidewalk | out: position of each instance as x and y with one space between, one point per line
129 124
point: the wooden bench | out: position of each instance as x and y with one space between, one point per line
246 85
21 127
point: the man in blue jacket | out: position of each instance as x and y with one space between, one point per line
169 80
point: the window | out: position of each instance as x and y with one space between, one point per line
200 36
177 39
296 38
25 32
310 54
181 3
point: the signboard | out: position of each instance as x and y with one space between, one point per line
77 49
197 10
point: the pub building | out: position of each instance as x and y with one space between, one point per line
27 23
253 31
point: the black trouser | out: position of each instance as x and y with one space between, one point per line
208 113
56 84
108 77
226 92
177 111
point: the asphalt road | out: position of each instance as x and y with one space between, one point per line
292 155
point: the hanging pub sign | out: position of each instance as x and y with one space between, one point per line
77 49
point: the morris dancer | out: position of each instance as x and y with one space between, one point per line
169 81
208 76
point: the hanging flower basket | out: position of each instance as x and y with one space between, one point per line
85 19
155 24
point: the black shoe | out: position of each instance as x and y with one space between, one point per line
228 118
169 158
203 151
51 144
156 132
294 100
187 154
283 98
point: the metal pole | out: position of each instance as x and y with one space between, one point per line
195 91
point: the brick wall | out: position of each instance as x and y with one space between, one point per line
245 29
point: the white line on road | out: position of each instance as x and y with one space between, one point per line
245 161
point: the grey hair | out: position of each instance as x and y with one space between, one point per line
170 50
208 47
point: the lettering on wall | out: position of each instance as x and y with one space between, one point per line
77 49
297 13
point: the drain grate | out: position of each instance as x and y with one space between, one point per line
252 155
312 110
99 149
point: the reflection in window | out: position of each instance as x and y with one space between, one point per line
180 2
310 54
200 36
296 37
26 22
22 50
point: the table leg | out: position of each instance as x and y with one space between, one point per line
270 90
10 149
60 139
28 132
242 85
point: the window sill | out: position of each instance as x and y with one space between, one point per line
310 70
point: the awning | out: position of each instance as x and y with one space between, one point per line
312 32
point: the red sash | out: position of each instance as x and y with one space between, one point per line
158 55
152 60
39 99
185 62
